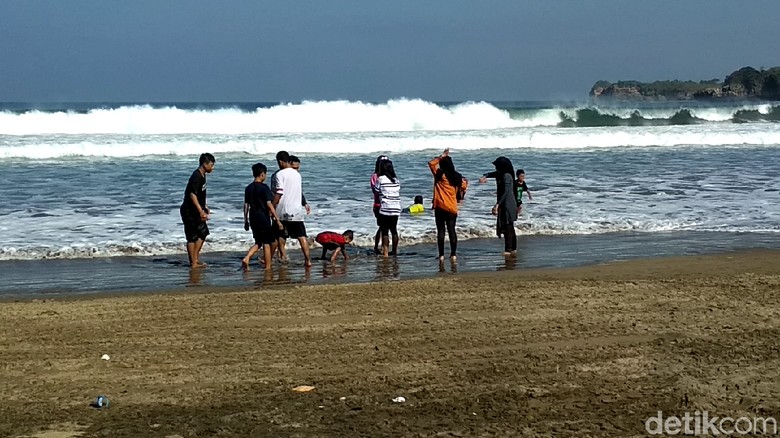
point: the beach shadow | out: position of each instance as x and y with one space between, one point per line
510 263
334 270
195 277
387 268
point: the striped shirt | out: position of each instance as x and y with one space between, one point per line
389 192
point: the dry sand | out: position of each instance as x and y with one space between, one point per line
577 352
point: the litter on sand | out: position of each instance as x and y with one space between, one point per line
399 400
303 388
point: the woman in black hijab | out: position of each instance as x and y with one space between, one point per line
505 209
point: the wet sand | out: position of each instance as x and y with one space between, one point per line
588 351
61 278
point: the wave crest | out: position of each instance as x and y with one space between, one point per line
400 115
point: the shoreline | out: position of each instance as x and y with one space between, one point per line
592 350
60 278
645 268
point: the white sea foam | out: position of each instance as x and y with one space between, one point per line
56 146
324 116
401 115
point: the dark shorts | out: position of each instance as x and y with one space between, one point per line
387 222
276 232
294 229
194 229
263 235
330 246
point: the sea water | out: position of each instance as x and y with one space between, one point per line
88 180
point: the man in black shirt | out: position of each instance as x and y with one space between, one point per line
258 211
194 212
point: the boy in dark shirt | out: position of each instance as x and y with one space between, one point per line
194 212
334 241
258 211
520 187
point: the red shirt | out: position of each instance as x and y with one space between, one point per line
330 237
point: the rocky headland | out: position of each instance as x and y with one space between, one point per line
746 83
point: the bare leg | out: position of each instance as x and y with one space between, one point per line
305 249
198 247
385 245
193 251
245 261
324 253
395 242
377 237
281 249
267 256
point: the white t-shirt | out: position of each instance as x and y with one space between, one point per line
288 184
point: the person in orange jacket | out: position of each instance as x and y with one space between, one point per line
449 190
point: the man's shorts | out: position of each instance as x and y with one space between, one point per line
194 229
276 232
294 229
263 235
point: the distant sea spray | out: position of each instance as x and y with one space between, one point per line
343 127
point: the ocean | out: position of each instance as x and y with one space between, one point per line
104 182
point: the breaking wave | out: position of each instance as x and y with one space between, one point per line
401 115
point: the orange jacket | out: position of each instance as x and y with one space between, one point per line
444 193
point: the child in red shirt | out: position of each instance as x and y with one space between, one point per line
330 240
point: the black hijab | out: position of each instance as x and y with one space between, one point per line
446 167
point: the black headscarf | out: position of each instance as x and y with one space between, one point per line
503 166
446 167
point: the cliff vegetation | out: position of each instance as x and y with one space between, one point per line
746 83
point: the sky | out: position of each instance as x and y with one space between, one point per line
370 51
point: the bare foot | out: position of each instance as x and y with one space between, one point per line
307 263
453 258
441 258
244 265
506 253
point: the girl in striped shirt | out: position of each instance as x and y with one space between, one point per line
388 189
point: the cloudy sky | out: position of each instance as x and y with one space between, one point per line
262 50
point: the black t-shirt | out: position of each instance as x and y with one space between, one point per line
257 195
196 185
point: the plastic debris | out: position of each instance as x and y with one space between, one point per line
101 402
399 400
105 357
303 388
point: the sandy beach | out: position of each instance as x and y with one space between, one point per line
589 351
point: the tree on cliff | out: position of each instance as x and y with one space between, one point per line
745 83
772 84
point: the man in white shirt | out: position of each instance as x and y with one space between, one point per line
288 200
